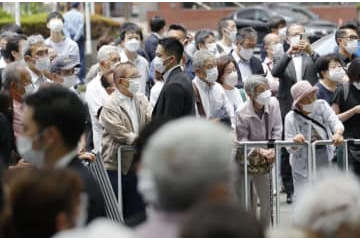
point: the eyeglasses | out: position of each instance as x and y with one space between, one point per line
352 37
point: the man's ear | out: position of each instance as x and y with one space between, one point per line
62 222
27 58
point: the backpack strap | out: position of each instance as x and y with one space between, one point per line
198 102
312 120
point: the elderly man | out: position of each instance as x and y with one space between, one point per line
259 119
205 39
246 63
107 56
17 81
63 70
176 175
37 59
123 116
227 31
210 97
274 49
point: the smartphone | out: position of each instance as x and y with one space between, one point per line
302 36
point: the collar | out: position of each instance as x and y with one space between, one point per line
65 160
203 84
34 77
121 96
252 109
157 35
267 61
167 73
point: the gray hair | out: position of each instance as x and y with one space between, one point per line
105 51
186 159
293 25
201 36
11 73
332 202
244 33
32 40
253 81
201 56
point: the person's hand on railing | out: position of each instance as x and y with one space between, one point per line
337 139
268 154
87 156
299 138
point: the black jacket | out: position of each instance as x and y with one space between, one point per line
176 99
96 206
255 66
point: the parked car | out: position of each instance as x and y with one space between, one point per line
259 16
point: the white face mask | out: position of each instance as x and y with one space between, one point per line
69 81
56 25
211 74
309 107
282 33
351 46
132 45
232 35
277 49
264 97
24 147
336 75
246 53
29 89
212 48
357 85
295 40
159 64
134 86
231 79
42 64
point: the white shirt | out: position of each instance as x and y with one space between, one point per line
213 98
234 97
268 65
3 64
226 49
129 106
95 96
244 66
155 92
37 80
297 60
66 47
65 160
142 66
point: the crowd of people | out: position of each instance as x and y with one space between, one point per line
183 103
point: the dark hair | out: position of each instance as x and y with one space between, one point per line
75 5
172 46
54 15
38 196
12 45
223 23
220 220
104 40
12 27
341 32
221 63
322 64
57 106
201 35
157 23
178 27
354 70
129 27
275 22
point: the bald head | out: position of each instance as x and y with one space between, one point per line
271 38
122 70
122 73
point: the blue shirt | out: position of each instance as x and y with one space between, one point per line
74 24
324 93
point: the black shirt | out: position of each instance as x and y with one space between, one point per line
352 125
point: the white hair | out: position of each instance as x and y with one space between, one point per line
186 159
253 81
32 40
333 201
105 51
201 56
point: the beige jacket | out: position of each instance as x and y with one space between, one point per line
118 128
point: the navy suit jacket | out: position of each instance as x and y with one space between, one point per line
151 43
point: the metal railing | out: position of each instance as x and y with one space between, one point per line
98 171
270 144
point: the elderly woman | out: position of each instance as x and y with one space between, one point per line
210 98
228 78
259 119
311 119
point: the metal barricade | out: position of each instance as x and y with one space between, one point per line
119 167
98 171
271 144
346 144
